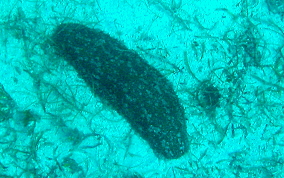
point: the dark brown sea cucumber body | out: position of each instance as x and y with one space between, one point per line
128 84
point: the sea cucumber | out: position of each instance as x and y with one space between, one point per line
128 84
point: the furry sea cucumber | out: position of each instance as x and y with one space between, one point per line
128 84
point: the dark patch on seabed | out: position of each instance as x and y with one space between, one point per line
128 84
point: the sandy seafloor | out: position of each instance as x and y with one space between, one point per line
224 58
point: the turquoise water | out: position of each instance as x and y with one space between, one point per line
224 59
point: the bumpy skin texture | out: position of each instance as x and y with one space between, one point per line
128 84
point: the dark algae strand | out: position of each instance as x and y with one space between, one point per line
128 84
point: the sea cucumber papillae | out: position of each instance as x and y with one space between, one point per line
128 84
